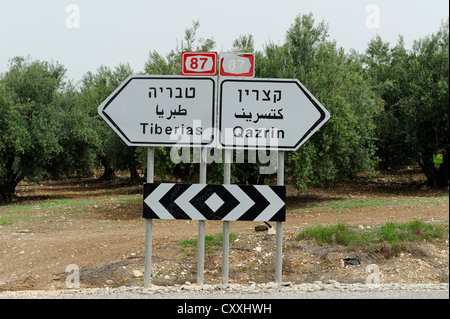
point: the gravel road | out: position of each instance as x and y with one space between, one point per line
317 290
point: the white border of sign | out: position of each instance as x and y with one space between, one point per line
324 115
122 86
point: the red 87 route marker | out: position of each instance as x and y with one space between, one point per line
199 63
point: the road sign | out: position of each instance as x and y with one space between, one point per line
199 63
260 113
162 110
237 64
215 202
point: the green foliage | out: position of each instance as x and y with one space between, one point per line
77 137
393 235
438 159
171 63
244 44
111 151
345 204
388 106
340 234
212 242
44 210
345 145
414 85
41 133
361 92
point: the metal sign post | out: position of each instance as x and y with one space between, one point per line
149 222
226 224
279 234
201 230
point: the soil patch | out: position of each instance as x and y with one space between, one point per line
98 227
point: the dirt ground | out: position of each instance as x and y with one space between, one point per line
106 240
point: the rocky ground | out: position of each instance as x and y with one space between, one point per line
105 240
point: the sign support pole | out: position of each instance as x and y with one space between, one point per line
149 222
226 224
279 235
201 230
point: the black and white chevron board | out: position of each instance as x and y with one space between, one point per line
215 202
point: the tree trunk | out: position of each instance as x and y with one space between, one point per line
7 191
5 197
436 177
108 175
429 170
132 168
134 175
443 177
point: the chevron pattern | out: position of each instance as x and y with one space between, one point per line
215 202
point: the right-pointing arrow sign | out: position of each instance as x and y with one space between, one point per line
275 203
215 202
245 203
259 113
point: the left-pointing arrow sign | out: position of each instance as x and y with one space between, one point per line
153 201
184 202
162 110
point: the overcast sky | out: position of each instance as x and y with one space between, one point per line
82 35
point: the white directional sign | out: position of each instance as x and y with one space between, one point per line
162 110
260 113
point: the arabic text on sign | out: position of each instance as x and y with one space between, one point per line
272 115
176 112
